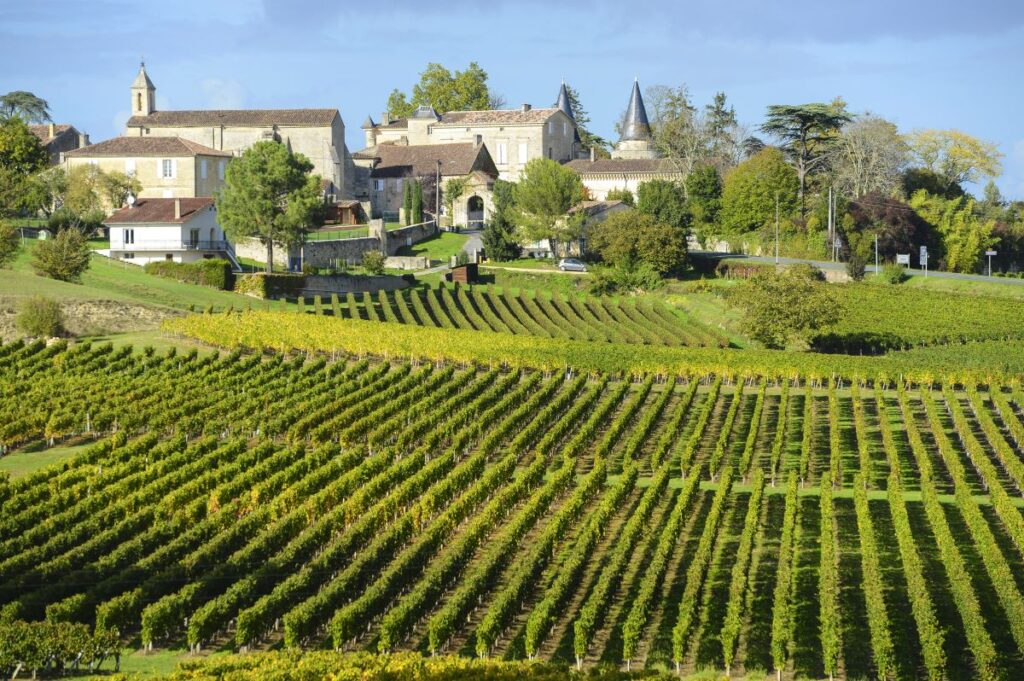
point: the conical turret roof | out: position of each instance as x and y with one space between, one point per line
563 102
142 79
635 126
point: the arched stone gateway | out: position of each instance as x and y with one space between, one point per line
475 212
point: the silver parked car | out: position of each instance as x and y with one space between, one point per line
571 265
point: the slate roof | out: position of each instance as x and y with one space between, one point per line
159 211
621 165
147 146
635 126
457 159
256 118
142 78
43 131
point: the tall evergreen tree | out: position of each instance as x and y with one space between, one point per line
417 203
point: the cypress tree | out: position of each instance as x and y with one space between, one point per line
417 203
406 203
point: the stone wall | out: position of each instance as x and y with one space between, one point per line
331 253
325 286
406 236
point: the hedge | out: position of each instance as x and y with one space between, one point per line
214 272
263 285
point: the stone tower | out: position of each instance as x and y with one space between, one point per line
143 93
565 106
635 141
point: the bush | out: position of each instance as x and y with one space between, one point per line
214 272
40 316
893 273
9 243
64 257
263 285
607 281
855 267
621 194
373 261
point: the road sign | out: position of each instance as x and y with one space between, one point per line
924 252
990 253
902 258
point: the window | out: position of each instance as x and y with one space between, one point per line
168 256
523 153
565 129
128 236
551 127
202 169
502 153
378 185
166 168
128 256
193 238
129 166
220 170
551 152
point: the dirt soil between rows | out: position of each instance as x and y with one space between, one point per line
91 317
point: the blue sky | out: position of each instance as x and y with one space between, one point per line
934 64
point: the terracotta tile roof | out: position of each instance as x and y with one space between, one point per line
457 159
621 165
257 118
43 131
147 146
159 211
498 117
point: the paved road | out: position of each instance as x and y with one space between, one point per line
536 270
827 265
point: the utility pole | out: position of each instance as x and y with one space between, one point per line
776 227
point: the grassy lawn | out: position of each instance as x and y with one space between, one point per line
995 287
108 279
438 247
20 464
566 284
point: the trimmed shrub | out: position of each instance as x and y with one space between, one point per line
263 285
373 261
215 273
893 273
856 266
40 316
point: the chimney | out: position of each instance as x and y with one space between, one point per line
526 107
83 139
593 155
52 131
177 209
385 118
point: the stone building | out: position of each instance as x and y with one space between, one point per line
166 167
318 134
634 160
59 138
512 136
391 166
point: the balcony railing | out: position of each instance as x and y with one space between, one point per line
173 246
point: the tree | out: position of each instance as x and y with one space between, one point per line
704 198
446 91
10 243
898 227
722 131
116 186
871 156
679 133
782 307
664 200
454 188
545 193
955 157
407 202
64 257
417 203
965 236
269 194
630 238
24 105
80 196
750 190
40 316
807 133
621 194
499 237
588 140
21 156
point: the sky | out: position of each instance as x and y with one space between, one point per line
921 64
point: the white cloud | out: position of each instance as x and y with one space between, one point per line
223 94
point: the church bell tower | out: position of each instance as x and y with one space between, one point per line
143 93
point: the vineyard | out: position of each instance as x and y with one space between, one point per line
645 321
819 528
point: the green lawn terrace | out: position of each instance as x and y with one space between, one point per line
301 502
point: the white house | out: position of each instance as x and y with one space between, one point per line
182 230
